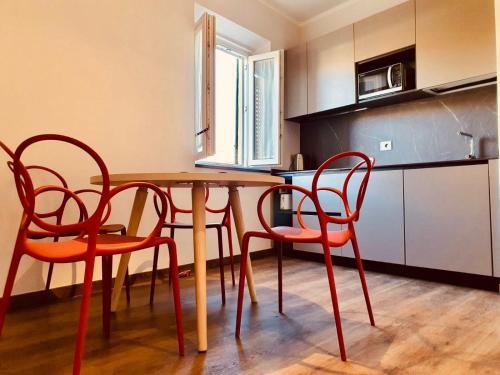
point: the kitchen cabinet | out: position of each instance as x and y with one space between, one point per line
385 32
330 71
455 41
380 228
296 81
495 216
447 218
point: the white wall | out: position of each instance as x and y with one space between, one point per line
117 74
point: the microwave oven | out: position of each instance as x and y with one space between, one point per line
381 81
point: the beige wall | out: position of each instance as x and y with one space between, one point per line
344 15
257 17
117 74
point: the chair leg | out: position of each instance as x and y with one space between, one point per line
153 275
127 286
123 232
280 276
230 244
107 267
359 263
335 303
221 265
176 293
172 234
84 314
11 277
49 277
241 285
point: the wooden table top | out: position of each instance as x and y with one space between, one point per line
186 179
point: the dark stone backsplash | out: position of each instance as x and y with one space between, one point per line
421 131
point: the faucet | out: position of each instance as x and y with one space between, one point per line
470 155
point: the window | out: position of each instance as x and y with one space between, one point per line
229 77
246 105
204 124
265 109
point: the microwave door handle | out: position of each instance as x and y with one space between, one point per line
389 77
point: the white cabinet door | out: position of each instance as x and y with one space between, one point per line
330 71
447 218
495 215
385 32
329 201
296 81
380 228
455 40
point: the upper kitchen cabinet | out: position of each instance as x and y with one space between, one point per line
385 32
455 41
330 71
296 81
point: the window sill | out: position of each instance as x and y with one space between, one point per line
230 167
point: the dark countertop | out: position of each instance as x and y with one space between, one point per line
436 164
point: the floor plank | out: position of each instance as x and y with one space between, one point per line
422 328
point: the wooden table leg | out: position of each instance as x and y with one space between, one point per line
234 201
133 226
200 263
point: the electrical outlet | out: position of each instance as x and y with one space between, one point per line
386 146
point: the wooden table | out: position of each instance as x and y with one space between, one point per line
197 181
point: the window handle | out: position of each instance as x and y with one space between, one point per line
201 132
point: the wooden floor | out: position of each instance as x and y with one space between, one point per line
422 328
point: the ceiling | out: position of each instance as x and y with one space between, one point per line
301 11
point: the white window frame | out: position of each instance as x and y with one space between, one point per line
243 53
277 115
204 112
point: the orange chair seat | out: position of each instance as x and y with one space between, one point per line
74 250
292 234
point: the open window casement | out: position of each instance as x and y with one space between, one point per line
265 108
204 128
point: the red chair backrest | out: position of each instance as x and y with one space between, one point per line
174 210
28 194
364 164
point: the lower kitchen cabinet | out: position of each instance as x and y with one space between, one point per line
447 218
380 229
436 218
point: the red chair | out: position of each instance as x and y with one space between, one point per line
175 224
327 238
88 245
58 213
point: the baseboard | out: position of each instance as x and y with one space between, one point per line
60 294
489 283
